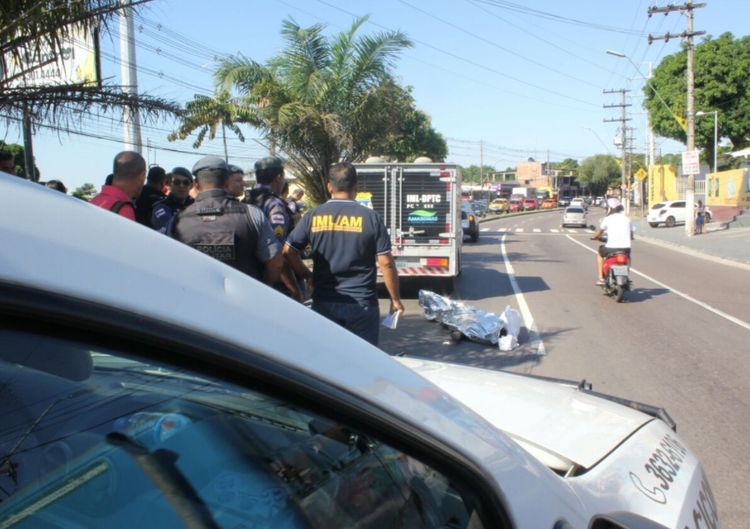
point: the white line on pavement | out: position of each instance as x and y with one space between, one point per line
536 341
691 299
537 230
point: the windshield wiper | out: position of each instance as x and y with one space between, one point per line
159 467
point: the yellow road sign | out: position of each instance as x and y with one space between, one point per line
641 174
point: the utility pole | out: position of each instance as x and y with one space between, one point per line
686 9
481 169
131 119
623 143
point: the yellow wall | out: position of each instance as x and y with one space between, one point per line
727 188
662 183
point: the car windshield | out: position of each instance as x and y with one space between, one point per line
574 210
99 436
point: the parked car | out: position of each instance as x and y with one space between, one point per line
515 205
134 398
499 205
530 204
671 213
574 216
548 203
479 208
469 221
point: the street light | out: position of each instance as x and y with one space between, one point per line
648 82
598 138
716 132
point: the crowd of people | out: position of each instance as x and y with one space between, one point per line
263 234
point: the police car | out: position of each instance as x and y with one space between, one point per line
143 384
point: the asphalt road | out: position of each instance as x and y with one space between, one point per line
679 341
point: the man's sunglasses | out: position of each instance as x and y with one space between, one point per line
181 182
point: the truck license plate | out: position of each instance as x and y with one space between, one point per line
402 264
620 270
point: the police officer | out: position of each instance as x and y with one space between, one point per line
220 226
180 183
269 175
151 193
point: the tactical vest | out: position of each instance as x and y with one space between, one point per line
220 226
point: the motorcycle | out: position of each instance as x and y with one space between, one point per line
616 270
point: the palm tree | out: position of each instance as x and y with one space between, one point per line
322 100
29 26
208 114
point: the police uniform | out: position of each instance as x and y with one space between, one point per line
165 210
218 225
276 209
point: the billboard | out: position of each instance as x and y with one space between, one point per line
73 61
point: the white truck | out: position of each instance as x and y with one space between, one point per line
524 192
420 204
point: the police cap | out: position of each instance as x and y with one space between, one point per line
182 171
269 162
210 162
234 169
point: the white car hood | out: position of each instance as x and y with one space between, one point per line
563 428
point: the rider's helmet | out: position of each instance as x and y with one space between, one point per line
613 205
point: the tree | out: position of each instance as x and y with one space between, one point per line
30 26
322 100
85 192
471 174
208 114
568 164
722 83
599 172
415 137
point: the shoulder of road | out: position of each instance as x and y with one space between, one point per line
720 243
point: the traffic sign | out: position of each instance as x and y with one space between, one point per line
641 174
691 163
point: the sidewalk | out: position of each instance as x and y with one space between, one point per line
717 243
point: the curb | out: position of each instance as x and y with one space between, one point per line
692 251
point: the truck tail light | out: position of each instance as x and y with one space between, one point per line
436 262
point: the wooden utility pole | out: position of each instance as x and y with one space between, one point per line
686 9
623 143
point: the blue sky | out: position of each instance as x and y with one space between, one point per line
502 80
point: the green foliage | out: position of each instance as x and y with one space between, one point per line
669 159
722 83
471 174
322 99
26 24
568 164
209 114
599 172
18 158
85 192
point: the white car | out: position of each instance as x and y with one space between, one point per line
573 216
670 213
146 385
579 202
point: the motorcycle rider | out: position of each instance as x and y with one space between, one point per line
619 231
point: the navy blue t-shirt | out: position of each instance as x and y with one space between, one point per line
346 238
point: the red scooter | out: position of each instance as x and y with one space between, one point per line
616 270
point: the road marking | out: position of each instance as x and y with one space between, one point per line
553 230
485 229
687 297
502 230
536 341
537 230
519 230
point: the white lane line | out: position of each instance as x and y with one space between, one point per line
554 230
502 230
519 230
536 341
537 230
572 231
688 297
484 229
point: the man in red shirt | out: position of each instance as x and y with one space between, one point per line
128 177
